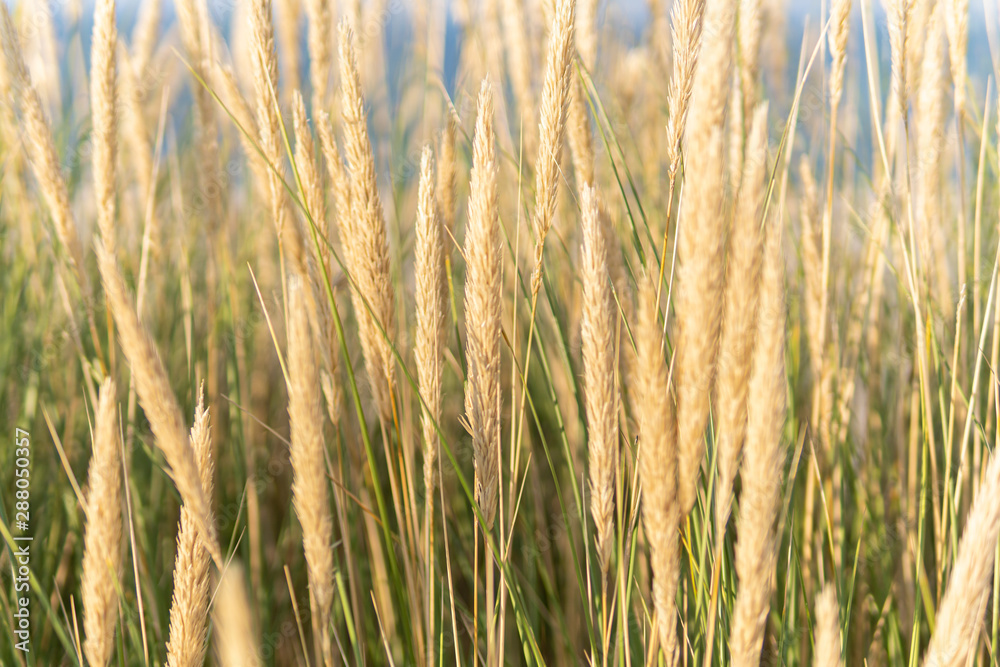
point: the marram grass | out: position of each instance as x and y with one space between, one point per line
458 333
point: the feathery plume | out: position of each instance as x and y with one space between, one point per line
102 547
661 511
41 150
698 294
265 79
265 66
958 616
957 26
137 138
763 461
104 112
368 243
919 13
519 69
899 17
322 328
685 30
555 94
812 267
598 336
224 82
341 184
931 114
191 17
289 21
310 495
697 306
158 401
195 29
740 315
840 15
318 12
305 162
483 308
192 581
145 34
432 304
827 650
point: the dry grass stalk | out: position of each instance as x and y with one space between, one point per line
195 29
916 30
827 650
289 21
597 332
483 309
369 244
319 38
956 19
192 18
432 306
310 494
305 163
931 116
290 233
138 140
102 550
42 152
899 17
661 511
555 95
265 73
312 190
819 324
698 292
763 463
740 314
520 60
225 85
158 401
812 268
104 113
192 580
341 184
958 616
821 333
145 35
685 30
235 638
840 15
698 309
